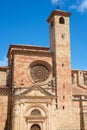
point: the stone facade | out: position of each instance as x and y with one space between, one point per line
38 89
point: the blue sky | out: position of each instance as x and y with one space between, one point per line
24 22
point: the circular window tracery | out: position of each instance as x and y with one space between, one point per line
39 73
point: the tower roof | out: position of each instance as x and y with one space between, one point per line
58 12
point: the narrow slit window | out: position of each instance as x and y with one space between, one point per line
51 23
85 80
63 107
73 79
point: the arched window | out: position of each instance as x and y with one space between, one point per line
62 20
73 79
85 80
51 23
35 112
35 127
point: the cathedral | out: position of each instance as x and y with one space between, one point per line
38 89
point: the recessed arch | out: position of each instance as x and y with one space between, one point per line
73 79
39 107
35 127
85 80
35 112
61 20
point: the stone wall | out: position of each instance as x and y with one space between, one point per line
3 112
3 77
22 67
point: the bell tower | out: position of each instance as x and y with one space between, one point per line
60 46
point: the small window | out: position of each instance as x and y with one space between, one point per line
62 35
51 23
62 65
63 85
35 112
63 107
63 97
35 127
62 20
73 79
85 80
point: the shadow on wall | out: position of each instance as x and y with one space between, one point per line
9 106
82 123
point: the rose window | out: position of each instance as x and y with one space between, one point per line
39 73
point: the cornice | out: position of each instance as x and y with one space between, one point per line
5 91
26 52
3 87
26 47
58 12
35 97
73 70
4 68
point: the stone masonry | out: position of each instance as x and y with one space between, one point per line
38 89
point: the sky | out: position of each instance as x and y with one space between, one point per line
25 22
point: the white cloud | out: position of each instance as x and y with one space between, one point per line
73 7
54 1
3 62
83 6
80 6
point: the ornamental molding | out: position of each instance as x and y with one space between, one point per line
39 72
33 92
31 52
5 91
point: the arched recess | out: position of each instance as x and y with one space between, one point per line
35 127
73 79
39 107
85 80
36 114
61 20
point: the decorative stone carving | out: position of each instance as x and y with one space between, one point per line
39 73
5 91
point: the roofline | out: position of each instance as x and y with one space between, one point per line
77 70
58 12
4 67
26 52
26 47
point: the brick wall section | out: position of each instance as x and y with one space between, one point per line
61 48
3 77
4 92
21 67
3 112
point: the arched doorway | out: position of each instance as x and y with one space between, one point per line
35 127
